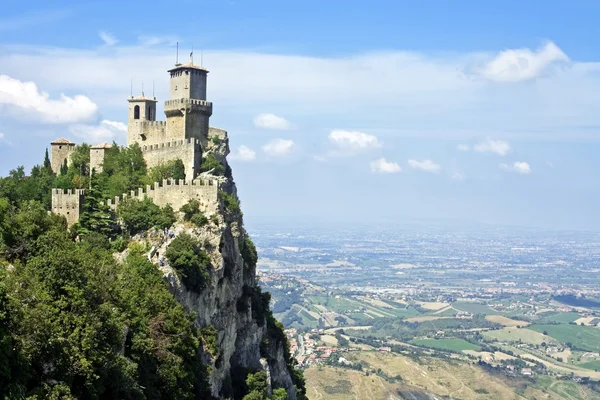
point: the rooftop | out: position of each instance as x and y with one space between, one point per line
62 140
188 66
141 98
102 146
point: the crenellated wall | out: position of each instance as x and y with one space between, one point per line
187 150
177 194
68 203
146 132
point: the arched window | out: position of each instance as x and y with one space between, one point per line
136 112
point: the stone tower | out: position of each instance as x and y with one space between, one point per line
187 111
97 154
141 110
61 149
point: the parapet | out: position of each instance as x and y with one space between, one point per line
176 193
173 143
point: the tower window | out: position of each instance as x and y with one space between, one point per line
136 112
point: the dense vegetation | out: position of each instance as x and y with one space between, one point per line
75 323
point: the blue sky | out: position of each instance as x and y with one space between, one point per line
343 111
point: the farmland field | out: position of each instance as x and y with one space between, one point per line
474 308
515 334
562 318
595 365
582 337
505 321
445 344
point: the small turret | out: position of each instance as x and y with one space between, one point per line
141 109
61 150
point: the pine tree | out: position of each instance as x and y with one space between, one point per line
47 164
64 168
96 216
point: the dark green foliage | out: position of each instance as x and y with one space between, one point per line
186 256
17 187
124 169
63 313
96 216
21 226
249 254
191 212
211 163
209 336
215 140
80 159
119 244
279 394
141 215
231 202
47 164
173 169
257 386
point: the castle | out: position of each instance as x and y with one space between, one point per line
184 135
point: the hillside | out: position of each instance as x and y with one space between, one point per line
115 308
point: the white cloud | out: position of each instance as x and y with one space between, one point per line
243 153
106 131
520 167
425 165
107 38
499 147
152 40
271 121
457 176
278 147
25 97
522 64
353 141
462 147
383 166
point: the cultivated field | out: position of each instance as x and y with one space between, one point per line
506 321
512 335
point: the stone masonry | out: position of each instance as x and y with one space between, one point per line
184 135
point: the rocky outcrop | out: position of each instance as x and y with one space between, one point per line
245 339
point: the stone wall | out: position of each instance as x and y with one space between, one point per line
60 153
188 150
177 194
153 132
68 203
97 159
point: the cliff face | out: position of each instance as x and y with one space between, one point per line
246 340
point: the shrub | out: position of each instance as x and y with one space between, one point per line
191 212
199 219
192 263
209 336
232 204
249 252
138 216
211 163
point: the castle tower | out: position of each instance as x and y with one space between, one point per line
61 150
141 109
97 154
187 110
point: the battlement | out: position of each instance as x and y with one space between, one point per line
69 203
153 123
177 102
173 143
176 193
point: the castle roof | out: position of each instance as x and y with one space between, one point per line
102 146
62 140
142 98
187 66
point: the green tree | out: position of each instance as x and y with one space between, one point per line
47 163
96 216
186 256
173 169
211 163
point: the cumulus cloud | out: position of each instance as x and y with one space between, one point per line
278 147
271 121
522 64
25 97
462 147
243 153
520 167
425 165
383 166
499 147
353 141
105 131
107 38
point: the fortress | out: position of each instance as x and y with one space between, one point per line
184 135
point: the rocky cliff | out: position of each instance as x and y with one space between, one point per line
248 339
